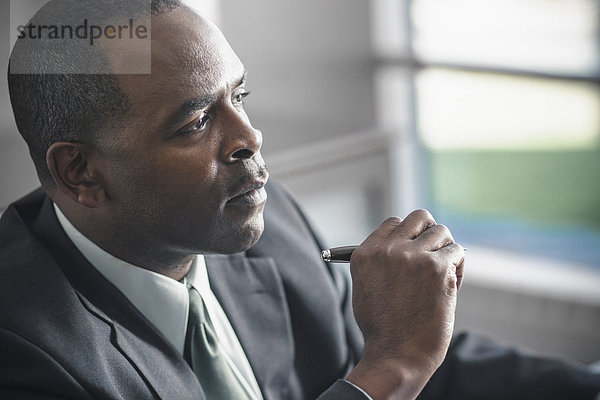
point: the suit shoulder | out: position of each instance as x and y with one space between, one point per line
31 283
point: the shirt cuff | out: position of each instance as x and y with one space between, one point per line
359 389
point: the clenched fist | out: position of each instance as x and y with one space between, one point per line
405 275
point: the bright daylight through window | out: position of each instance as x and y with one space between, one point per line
508 104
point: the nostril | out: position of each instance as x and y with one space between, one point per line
242 154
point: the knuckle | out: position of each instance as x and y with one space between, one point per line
393 254
392 220
443 228
444 231
388 250
434 264
428 258
423 214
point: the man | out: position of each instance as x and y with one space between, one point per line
151 210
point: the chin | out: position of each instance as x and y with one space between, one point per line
240 239
252 235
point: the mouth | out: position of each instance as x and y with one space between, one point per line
253 194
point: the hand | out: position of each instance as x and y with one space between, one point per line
405 275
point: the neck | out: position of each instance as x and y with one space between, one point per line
175 266
139 253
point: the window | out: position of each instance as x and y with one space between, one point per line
506 117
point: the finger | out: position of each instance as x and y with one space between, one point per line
455 255
460 273
381 234
434 238
453 252
416 223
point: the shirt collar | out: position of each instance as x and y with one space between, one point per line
162 300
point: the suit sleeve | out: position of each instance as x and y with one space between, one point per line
28 373
478 368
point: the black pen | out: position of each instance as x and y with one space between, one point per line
338 254
341 254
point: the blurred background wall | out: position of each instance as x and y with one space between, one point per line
486 113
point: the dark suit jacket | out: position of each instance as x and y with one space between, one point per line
66 332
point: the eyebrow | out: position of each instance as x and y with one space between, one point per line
244 78
188 108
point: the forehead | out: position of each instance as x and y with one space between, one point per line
189 47
190 58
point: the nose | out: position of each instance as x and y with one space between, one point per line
243 142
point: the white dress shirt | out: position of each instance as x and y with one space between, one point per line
165 301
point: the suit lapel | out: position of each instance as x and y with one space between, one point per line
159 364
251 292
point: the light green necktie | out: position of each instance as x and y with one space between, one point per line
206 356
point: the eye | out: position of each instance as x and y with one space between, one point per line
197 125
238 98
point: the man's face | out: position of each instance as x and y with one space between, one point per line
186 174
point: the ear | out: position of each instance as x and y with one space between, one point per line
69 165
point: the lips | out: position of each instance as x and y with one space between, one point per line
252 194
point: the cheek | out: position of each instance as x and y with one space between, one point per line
184 175
165 180
177 168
